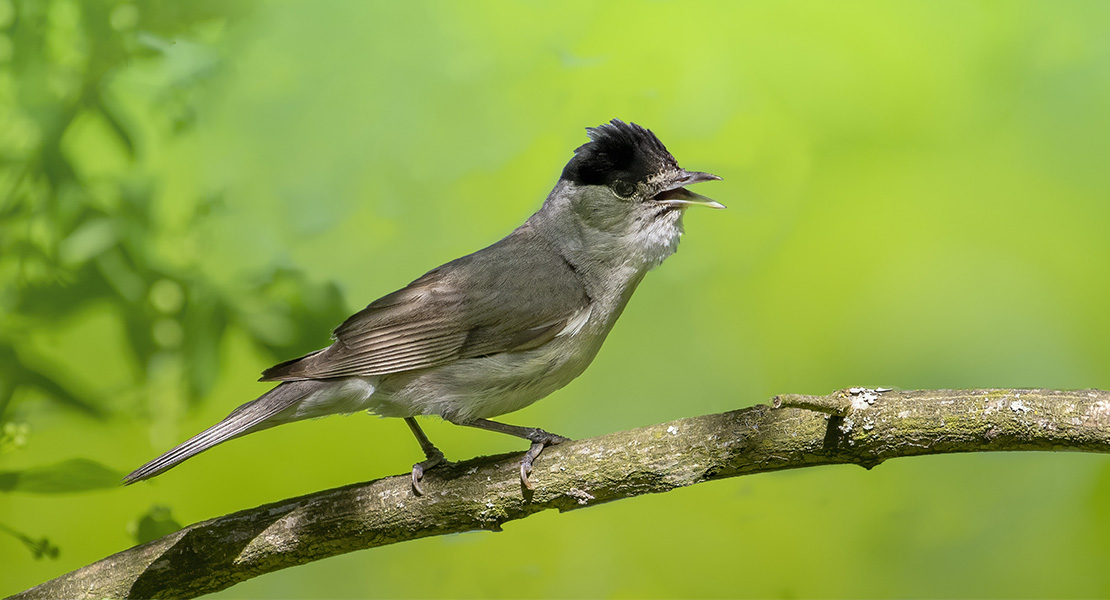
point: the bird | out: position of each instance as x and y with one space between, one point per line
496 330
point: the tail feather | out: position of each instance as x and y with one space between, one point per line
248 418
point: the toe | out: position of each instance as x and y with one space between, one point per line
417 475
525 470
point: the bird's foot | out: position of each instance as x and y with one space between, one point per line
540 440
434 458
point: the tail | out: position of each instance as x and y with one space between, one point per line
248 418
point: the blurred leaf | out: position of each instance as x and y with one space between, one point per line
154 524
311 310
120 274
6 392
89 240
39 548
15 372
205 319
117 126
41 299
75 475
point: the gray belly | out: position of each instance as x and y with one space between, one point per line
481 388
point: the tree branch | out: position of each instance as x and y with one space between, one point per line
857 426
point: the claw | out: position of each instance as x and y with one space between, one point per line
417 475
532 453
539 438
526 464
434 459
432 455
524 471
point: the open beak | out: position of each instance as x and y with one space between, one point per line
680 197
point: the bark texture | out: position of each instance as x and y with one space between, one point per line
859 426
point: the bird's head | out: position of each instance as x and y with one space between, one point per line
625 183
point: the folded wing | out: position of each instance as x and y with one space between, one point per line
470 307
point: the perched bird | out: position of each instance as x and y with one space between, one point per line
496 330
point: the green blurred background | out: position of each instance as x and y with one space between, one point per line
918 195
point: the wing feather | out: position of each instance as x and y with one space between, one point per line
470 307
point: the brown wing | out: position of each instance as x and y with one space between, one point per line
512 296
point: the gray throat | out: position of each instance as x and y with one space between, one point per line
610 261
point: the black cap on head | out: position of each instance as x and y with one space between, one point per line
618 151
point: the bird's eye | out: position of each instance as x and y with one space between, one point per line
624 189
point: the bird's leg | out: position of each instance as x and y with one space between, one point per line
539 438
432 456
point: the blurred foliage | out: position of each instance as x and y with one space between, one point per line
40 548
155 523
77 475
79 222
917 192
